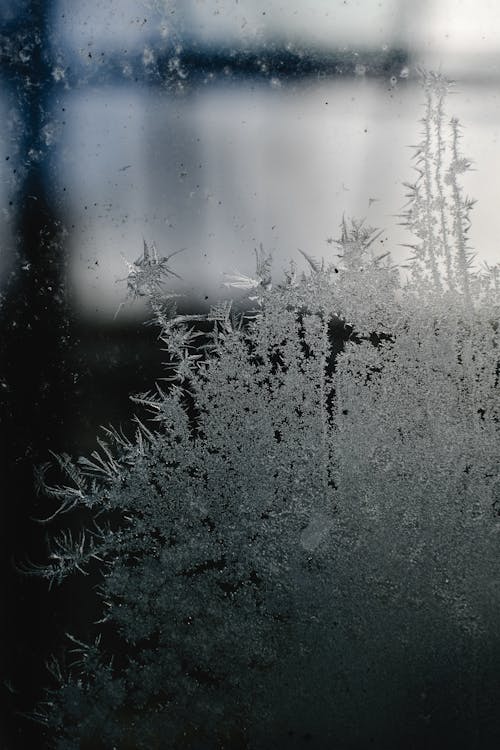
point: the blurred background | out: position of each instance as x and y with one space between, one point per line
209 126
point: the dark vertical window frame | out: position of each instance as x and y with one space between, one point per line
33 352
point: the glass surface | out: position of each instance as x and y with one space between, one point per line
217 132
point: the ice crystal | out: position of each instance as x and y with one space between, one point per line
307 466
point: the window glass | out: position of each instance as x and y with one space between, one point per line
107 26
12 9
219 172
207 128
171 144
322 23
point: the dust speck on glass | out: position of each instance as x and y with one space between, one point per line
289 535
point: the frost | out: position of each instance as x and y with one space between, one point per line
308 464
59 73
147 274
148 57
50 133
315 532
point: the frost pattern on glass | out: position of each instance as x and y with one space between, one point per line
325 458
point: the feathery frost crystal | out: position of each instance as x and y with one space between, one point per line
314 491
